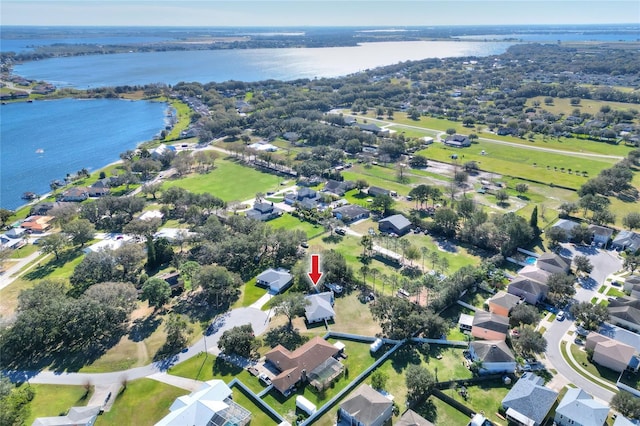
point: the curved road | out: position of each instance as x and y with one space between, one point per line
256 317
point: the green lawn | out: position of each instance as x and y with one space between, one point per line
258 416
614 292
595 369
143 402
229 181
208 367
250 292
483 398
24 251
55 400
441 413
291 223
523 163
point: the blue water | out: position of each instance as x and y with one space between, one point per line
242 64
72 134
530 260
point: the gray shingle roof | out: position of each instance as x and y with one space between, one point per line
579 406
366 404
530 398
492 351
491 321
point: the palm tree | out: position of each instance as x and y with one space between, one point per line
364 270
425 252
374 272
434 257
384 278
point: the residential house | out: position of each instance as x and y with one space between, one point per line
623 421
458 141
610 353
374 191
174 280
350 213
578 408
319 307
411 418
529 401
601 235
534 273
338 188
367 127
291 136
625 311
553 263
11 243
532 291
629 283
301 364
15 233
37 224
495 356
365 407
212 404
276 279
397 224
489 326
161 150
97 191
264 212
77 416
43 209
567 226
502 303
151 214
626 240
306 198
75 194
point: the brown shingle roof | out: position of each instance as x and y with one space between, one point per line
291 364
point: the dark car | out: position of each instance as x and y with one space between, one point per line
341 231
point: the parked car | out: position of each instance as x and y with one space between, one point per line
304 244
560 316
264 379
341 231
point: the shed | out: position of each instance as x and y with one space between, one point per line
305 405
377 344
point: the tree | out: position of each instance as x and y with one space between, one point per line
451 131
530 341
361 184
631 262
419 382
218 285
603 217
240 341
382 204
128 259
560 288
5 214
81 231
399 318
177 330
157 291
521 188
379 379
583 264
96 267
533 221
502 196
53 243
631 221
523 314
367 245
589 316
418 162
290 305
556 235
14 403
446 221
151 188
581 234
627 404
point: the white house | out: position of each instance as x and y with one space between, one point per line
276 279
319 307
578 408
199 408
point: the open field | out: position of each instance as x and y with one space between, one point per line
291 223
258 417
133 405
228 181
249 293
54 400
591 106
545 167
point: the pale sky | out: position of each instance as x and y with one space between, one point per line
316 12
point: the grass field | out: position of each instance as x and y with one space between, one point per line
591 106
292 223
229 181
143 402
482 398
55 400
258 417
595 369
250 292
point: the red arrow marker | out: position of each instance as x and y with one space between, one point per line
315 273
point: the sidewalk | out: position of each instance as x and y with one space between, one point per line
576 365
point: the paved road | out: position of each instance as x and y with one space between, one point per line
258 319
8 276
554 335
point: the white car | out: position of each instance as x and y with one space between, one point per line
560 316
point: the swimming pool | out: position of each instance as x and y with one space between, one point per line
530 260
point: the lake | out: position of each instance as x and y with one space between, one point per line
44 140
241 64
